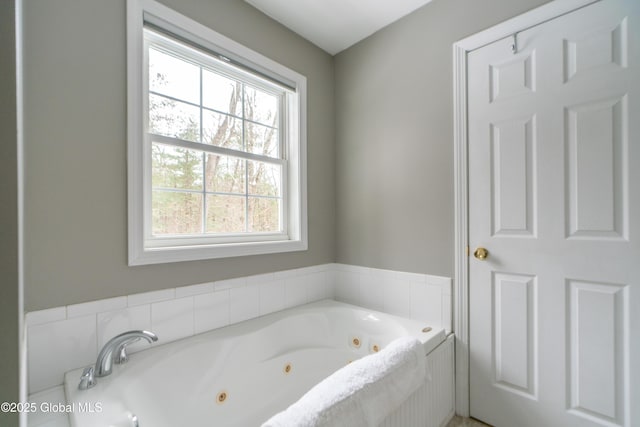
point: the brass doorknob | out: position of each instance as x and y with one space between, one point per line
481 254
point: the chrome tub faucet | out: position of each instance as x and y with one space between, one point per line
115 347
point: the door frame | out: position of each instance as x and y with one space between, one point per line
461 49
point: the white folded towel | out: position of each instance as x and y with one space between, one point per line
362 393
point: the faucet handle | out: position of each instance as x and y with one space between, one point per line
121 351
122 355
87 379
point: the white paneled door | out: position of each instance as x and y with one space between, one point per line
554 198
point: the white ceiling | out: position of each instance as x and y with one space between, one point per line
334 25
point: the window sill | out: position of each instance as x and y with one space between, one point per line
146 256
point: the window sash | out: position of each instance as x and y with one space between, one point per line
213 149
212 238
190 54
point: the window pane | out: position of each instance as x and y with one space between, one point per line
173 77
260 106
225 174
262 140
176 213
264 178
222 130
221 94
175 167
226 214
173 118
264 214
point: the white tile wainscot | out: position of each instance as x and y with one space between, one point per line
416 296
64 338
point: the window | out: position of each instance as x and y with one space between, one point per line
216 144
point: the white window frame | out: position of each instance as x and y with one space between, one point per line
144 250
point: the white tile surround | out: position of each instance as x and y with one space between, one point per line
414 296
65 338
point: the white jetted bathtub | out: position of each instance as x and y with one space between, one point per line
241 375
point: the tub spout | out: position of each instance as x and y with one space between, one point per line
117 345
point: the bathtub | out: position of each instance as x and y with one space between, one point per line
241 375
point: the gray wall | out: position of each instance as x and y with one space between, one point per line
9 309
394 137
76 187
380 179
